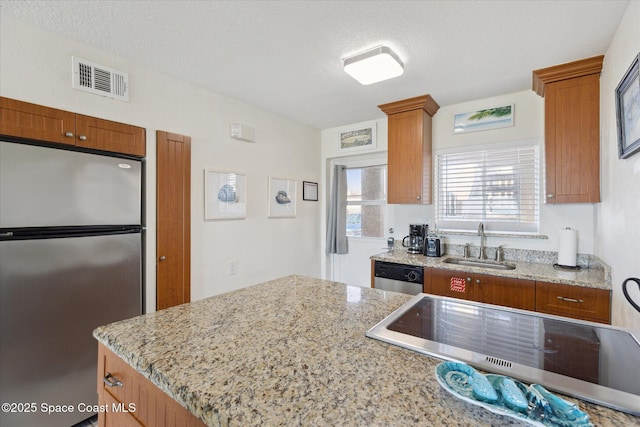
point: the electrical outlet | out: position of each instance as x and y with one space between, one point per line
232 268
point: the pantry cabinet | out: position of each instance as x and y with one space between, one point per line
49 125
508 292
409 161
572 130
126 398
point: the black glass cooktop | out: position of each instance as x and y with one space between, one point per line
595 362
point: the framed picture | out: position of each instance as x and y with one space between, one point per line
628 112
490 118
310 191
225 195
282 198
360 138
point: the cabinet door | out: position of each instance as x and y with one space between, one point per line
409 161
451 283
572 140
574 301
24 120
110 136
508 292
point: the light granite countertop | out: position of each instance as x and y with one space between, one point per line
597 276
293 352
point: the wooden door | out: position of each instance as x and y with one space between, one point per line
173 286
25 120
106 135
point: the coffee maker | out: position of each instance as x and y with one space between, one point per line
414 242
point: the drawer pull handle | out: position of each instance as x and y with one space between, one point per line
68 134
82 138
570 299
111 381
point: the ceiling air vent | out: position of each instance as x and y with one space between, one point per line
100 80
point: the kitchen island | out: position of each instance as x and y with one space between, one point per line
293 351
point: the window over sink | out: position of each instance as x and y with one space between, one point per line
496 184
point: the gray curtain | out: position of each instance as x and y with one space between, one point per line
337 223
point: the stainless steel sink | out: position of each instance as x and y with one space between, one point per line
480 263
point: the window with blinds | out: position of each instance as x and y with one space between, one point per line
497 185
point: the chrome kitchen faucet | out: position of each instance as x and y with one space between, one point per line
482 254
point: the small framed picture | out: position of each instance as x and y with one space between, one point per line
489 118
282 198
310 191
628 111
361 138
225 195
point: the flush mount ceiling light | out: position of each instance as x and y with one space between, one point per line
374 65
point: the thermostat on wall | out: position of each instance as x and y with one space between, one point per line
242 132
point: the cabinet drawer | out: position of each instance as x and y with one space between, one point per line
574 301
125 387
146 403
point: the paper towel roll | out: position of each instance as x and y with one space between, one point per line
568 247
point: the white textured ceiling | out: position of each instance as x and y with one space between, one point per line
286 56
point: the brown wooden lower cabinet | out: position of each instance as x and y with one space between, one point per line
515 293
574 301
135 401
561 300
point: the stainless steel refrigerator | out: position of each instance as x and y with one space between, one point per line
70 260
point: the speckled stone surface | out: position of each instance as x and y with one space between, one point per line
597 275
293 352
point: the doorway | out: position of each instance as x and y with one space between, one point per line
173 213
366 218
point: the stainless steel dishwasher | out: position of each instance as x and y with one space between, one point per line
407 279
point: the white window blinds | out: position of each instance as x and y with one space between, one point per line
498 186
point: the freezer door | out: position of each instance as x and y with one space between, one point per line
53 294
42 186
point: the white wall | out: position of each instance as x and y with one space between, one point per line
35 66
618 216
528 124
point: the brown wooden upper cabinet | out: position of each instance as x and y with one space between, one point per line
409 149
572 129
36 122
